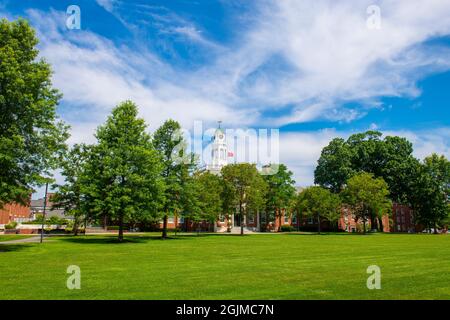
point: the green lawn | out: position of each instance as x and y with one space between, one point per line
265 266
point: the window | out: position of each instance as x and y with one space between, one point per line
286 219
170 220
310 220
294 219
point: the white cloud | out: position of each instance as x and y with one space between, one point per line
304 58
108 5
301 150
301 59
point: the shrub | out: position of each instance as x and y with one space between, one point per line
11 225
287 228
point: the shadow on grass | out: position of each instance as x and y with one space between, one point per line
13 247
328 234
112 239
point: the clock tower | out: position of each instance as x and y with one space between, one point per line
219 151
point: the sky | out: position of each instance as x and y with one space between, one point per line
313 69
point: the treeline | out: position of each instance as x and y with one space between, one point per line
130 176
392 170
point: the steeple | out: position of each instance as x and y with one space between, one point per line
219 152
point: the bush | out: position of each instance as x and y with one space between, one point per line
11 225
287 228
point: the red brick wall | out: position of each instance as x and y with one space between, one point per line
402 219
13 210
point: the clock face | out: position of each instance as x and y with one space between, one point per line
221 136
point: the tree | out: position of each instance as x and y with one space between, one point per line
123 174
390 159
244 186
69 195
31 136
177 163
280 190
430 192
320 203
210 195
368 197
334 166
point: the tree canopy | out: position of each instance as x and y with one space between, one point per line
245 187
31 136
319 203
368 197
123 175
389 158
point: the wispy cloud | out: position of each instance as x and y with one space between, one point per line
299 60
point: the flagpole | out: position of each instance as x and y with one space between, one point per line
45 207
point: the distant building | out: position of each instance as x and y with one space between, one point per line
37 208
403 219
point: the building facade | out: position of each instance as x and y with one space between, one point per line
14 212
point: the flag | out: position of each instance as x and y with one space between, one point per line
230 154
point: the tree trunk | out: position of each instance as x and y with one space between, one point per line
120 228
267 220
278 217
364 224
105 222
75 227
435 228
176 222
240 218
318 222
380 223
164 231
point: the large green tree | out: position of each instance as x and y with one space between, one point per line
69 195
177 164
122 177
431 191
280 191
334 166
210 195
245 187
389 158
319 203
31 136
368 197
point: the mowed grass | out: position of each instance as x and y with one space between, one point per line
259 266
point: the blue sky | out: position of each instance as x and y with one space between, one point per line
313 69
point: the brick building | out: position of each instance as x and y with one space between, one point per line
403 219
14 212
